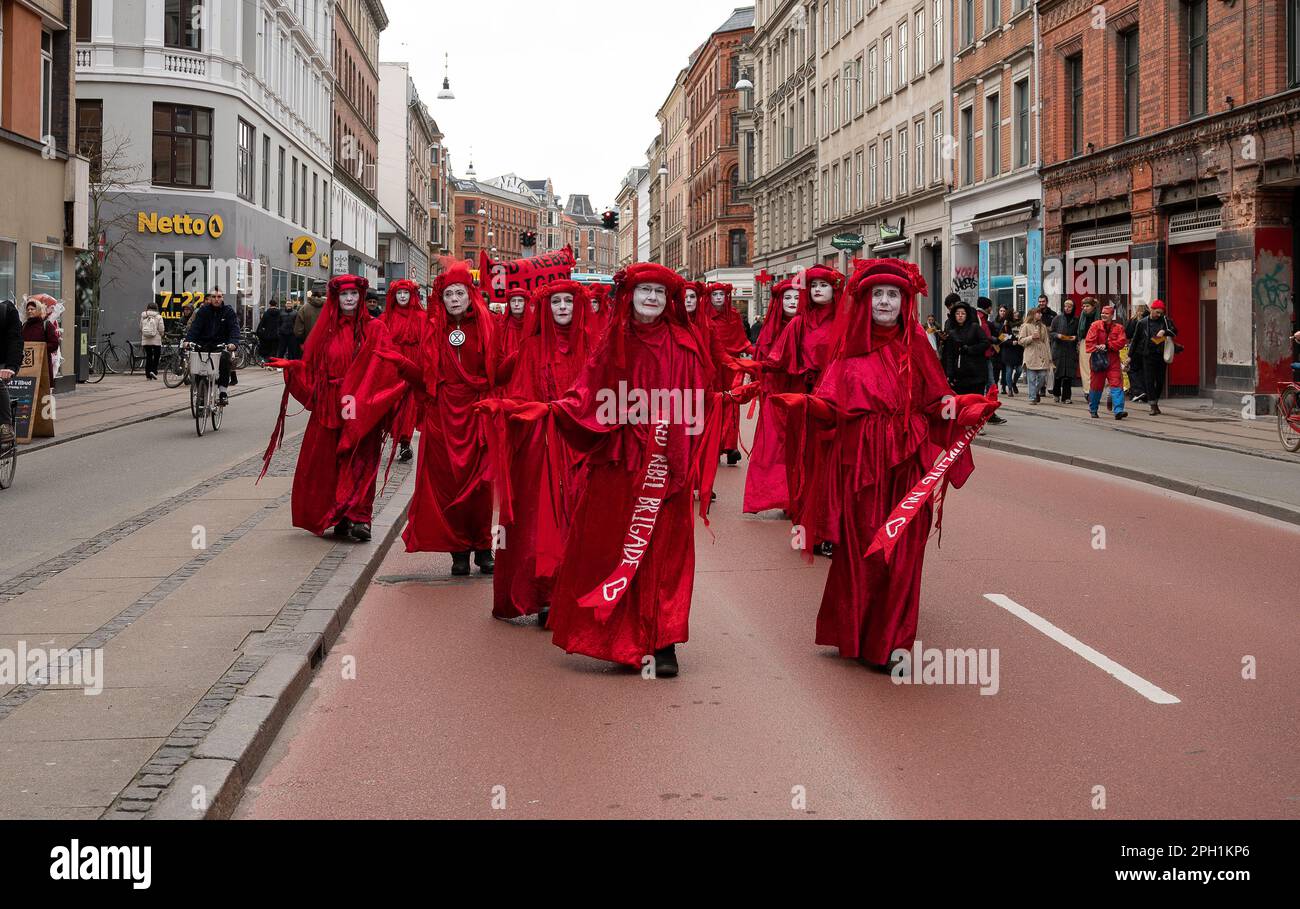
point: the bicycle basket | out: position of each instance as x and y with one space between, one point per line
204 363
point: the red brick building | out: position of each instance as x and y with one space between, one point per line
506 217
721 223
1169 144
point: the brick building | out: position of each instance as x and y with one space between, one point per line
674 187
506 214
595 249
996 237
721 223
1169 152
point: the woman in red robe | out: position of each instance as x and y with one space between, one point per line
407 324
623 590
509 329
345 380
542 492
451 510
765 482
599 316
728 331
857 447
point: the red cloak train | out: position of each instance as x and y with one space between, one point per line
857 447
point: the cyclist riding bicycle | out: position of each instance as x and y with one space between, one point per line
215 327
11 360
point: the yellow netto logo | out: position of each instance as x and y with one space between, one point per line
185 225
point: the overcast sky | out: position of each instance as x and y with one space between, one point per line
567 89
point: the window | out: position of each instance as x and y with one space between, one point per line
47 85
85 14
871 76
280 193
47 270
1022 122
902 161
304 194
993 135
967 22
835 190
244 160
936 136
469 232
902 55
835 102
872 174
735 186
967 146
1132 91
918 66
936 32
919 128
992 14
1293 41
1074 84
826 195
887 162
846 188
181 28
734 136
1197 58
293 191
857 181
469 207
315 203
266 172
182 146
857 86
848 109
90 134
8 268
887 70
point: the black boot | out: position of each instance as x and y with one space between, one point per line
404 452
666 662
343 529
543 616
459 564
485 561
361 533
823 549
733 457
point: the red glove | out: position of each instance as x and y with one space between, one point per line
529 413
277 363
785 402
976 413
746 393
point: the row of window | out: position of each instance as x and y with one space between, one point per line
1021 125
884 170
704 253
971 28
46 275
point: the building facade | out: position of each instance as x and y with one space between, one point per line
1170 171
783 158
493 218
223 123
881 124
674 139
996 231
626 203
405 185
354 205
643 183
43 223
442 210
595 249
721 221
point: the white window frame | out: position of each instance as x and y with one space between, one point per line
918 51
902 54
936 32
919 128
887 65
886 161
936 137
873 174
902 161
47 87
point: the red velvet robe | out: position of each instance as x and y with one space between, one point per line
406 329
804 347
507 337
451 509
765 481
728 334
654 611
854 454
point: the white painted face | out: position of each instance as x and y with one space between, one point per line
649 302
886 304
348 300
692 300
790 302
456 299
517 305
595 305
562 308
821 292
718 298
403 297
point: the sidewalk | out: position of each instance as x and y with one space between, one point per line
123 400
207 610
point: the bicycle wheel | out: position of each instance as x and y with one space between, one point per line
172 366
214 408
199 395
8 466
97 368
1288 419
112 358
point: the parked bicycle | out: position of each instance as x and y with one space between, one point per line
1288 414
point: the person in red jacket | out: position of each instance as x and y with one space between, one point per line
407 327
38 328
1107 336
509 328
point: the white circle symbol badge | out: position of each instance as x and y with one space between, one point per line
457 338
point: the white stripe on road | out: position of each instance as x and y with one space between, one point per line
1100 660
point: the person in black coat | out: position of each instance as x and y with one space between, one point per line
289 349
215 327
963 352
1012 354
1148 345
11 360
1136 391
1065 352
268 330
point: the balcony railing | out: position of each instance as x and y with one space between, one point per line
85 58
185 64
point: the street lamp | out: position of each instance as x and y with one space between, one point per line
663 170
744 85
446 94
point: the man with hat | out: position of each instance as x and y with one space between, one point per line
1149 347
1106 339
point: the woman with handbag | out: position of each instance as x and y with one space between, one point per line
1154 346
1103 344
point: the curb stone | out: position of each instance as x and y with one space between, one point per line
1268 508
230 754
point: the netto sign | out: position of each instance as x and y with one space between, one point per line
185 225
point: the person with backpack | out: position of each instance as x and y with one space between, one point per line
152 329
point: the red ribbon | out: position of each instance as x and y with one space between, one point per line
636 542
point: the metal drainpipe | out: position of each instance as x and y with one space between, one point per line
1038 106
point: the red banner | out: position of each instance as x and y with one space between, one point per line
906 511
498 279
636 542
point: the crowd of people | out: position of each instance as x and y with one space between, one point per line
1052 351
537 413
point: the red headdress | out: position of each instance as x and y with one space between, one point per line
404 323
776 320
330 322
477 312
626 281
541 321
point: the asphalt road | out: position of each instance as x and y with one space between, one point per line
1119 692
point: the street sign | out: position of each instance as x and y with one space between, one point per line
848 242
304 248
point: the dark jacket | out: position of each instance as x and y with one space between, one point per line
1065 354
1148 328
1012 353
268 330
305 319
11 336
211 328
963 354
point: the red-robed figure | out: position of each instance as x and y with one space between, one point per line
623 590
509 329
451 510
601 309
728 332
407 325
543 474
347 383
878 421
803 348
765 481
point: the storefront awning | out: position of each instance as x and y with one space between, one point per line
892 248
1005 219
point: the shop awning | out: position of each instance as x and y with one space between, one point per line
1003 219
893 248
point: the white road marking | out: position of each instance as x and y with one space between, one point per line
1100 660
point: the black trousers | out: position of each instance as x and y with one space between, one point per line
152 354
6 409
1154 373
1062 386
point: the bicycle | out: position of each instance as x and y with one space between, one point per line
204 368
1288 414
174 365
249 352
9 455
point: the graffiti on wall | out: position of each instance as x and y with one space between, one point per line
966 283
1274 297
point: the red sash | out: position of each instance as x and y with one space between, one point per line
636 542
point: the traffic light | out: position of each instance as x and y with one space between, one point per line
609 220
528 238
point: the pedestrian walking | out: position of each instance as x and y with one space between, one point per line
964 362
36 328
408 329
984 308
1154 346
308 313
289 349
766 482
1065 357
1088 313
11 360
1103 344
268 330
1006 331
1136 383
1037 353
152 329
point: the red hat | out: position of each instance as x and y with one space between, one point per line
867 273
822 273
650 273
1158 304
